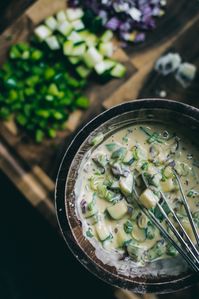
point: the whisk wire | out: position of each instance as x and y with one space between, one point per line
187 248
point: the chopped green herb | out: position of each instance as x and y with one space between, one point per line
119 153
192 193
111 146
128 227
89 233
145 166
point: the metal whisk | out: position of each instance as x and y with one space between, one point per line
182 242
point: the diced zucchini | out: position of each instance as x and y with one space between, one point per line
148 199
134 251
42 32
74 60
128 159
61 16
78 50
118 71
73 14
102 231
92 57
151 232
100 68
52 42
122 237
68 48
106 49
118 210
91 209
97 139
119 153
83 71
168 185
138 234
157 250
168 172
170 250
107 36
75 37
78 25
89 38
51 22
103 66
126 184
65 28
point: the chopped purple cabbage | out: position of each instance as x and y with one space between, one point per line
127 17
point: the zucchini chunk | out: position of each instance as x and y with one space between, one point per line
42 32
61 16
168 185
52 42
118 71
134 251
122 237
102 231
51 22
148 199
157 250
65 28
126 184
92 57
118 210
73 14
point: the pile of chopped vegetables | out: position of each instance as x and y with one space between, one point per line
37 91
42 81
130 19
87 52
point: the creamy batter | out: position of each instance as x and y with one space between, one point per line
112 173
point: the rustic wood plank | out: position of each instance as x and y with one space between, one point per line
11 10
186 46
44 8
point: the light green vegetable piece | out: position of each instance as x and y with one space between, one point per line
102 231
118 210
97 139
126 184
148 199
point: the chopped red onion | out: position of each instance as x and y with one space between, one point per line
127 17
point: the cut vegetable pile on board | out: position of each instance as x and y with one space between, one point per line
43 81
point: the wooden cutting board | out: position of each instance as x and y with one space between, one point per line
29 165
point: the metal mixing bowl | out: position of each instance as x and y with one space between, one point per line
168 278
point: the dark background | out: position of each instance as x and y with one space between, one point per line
35 263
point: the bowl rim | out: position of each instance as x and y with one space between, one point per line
60 186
